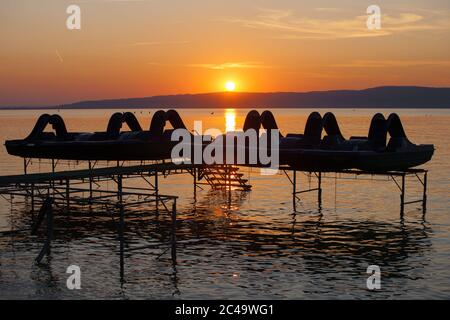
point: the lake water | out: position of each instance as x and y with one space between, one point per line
254 247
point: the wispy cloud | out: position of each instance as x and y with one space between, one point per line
219 66
328 9
230 65
285 24
391 63
59 56
156 43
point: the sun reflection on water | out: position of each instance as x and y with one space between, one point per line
230 120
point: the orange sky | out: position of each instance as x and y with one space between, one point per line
134 48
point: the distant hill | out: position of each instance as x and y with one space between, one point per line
379 97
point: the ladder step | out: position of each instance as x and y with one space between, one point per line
232 185
222 177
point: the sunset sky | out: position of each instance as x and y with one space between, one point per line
136 48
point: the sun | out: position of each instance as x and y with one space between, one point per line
230 86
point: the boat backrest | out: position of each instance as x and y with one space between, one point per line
378 131
175 120
268 121
158 122
114 125
39 127
252 121
395 127
331 126
313 127
130 119
57 124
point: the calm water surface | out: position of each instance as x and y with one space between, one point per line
253 247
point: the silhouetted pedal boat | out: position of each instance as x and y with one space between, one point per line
302 151
373 154
333 153
137 144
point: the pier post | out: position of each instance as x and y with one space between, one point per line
119 189
195 183
50 223
25 166
46 210
121 224
402 197
294 189
32 201
424 198
174 229
67 195
52 183
90 180
121 240
319 188
156 192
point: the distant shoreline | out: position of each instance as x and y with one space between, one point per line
398 97
203 108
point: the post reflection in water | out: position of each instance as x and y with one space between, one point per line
216 239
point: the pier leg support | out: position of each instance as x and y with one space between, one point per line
319 188
32 202
174 235
294 190
121 240
121 225
47 210
424 198
156 192
402 197
195 183
67 195
90 181
25 166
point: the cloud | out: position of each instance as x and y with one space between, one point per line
230 65
218 66
156 43
328 9
286 25
59 56
391 63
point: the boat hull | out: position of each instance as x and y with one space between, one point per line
92 150
372 161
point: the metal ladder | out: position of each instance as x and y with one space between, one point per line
222 177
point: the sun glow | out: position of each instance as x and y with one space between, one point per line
230 86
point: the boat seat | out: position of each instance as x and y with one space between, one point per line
113 131
252 121
331 126
269 123
58 126
378 132
313 128
158 123
175 120
333 137
130 119
311 136
396 132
